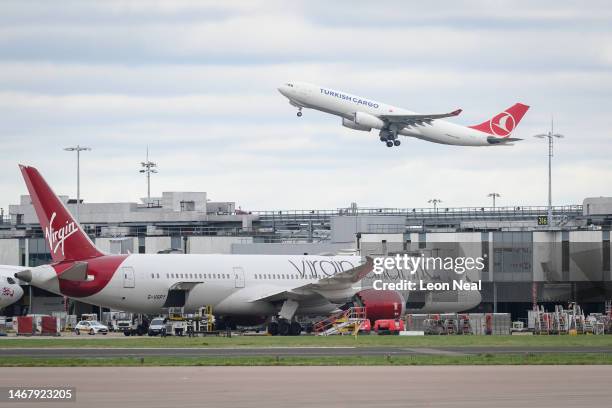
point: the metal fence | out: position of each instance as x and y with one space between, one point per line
507 212
460 323
195 231
315 224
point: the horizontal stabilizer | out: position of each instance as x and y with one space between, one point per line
77 272
502 140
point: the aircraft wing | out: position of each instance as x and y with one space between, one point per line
417 119
274 294
331 285
344 279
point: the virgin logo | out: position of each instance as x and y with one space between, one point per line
56 238
502 124
8 292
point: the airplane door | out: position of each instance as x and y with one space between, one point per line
129 281
239 277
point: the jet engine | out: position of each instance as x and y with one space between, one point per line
366 120
352 125
380 304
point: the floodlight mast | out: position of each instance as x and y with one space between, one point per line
551 135
148 167
435 202
78 149
494 196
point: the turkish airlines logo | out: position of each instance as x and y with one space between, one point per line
8 292
56 238
502 124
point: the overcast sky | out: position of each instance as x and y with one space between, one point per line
196 81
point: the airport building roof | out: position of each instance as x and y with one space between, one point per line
192 213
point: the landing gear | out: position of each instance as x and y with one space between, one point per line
273 328
284 324
283 327
295 329
299 114
389 137
385 135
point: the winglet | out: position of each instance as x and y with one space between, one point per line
456 112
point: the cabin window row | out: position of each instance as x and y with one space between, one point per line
283 276
192 276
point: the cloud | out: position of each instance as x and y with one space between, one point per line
196 81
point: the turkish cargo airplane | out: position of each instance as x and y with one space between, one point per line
10 291
365 114
236 286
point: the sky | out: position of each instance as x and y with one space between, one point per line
196 82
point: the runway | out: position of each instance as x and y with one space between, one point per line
465 386
89 352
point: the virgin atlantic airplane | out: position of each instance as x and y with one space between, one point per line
273 287
365 114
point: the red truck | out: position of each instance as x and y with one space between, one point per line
388 326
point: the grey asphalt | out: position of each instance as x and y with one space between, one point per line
355 387
88 352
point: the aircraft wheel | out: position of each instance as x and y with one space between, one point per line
284 328
295 329
92 332
389 143
273 328
299 114
383 139
397 142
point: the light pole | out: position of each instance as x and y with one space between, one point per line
78 149
148 167
435 202
550 136
494 196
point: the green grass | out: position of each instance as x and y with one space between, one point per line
313 341
480 359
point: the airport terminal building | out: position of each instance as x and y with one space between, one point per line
529 258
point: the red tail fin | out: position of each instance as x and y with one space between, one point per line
502 124
65 238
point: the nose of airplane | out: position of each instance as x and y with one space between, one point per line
283 90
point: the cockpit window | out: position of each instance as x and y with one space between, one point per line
10 280
289 85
